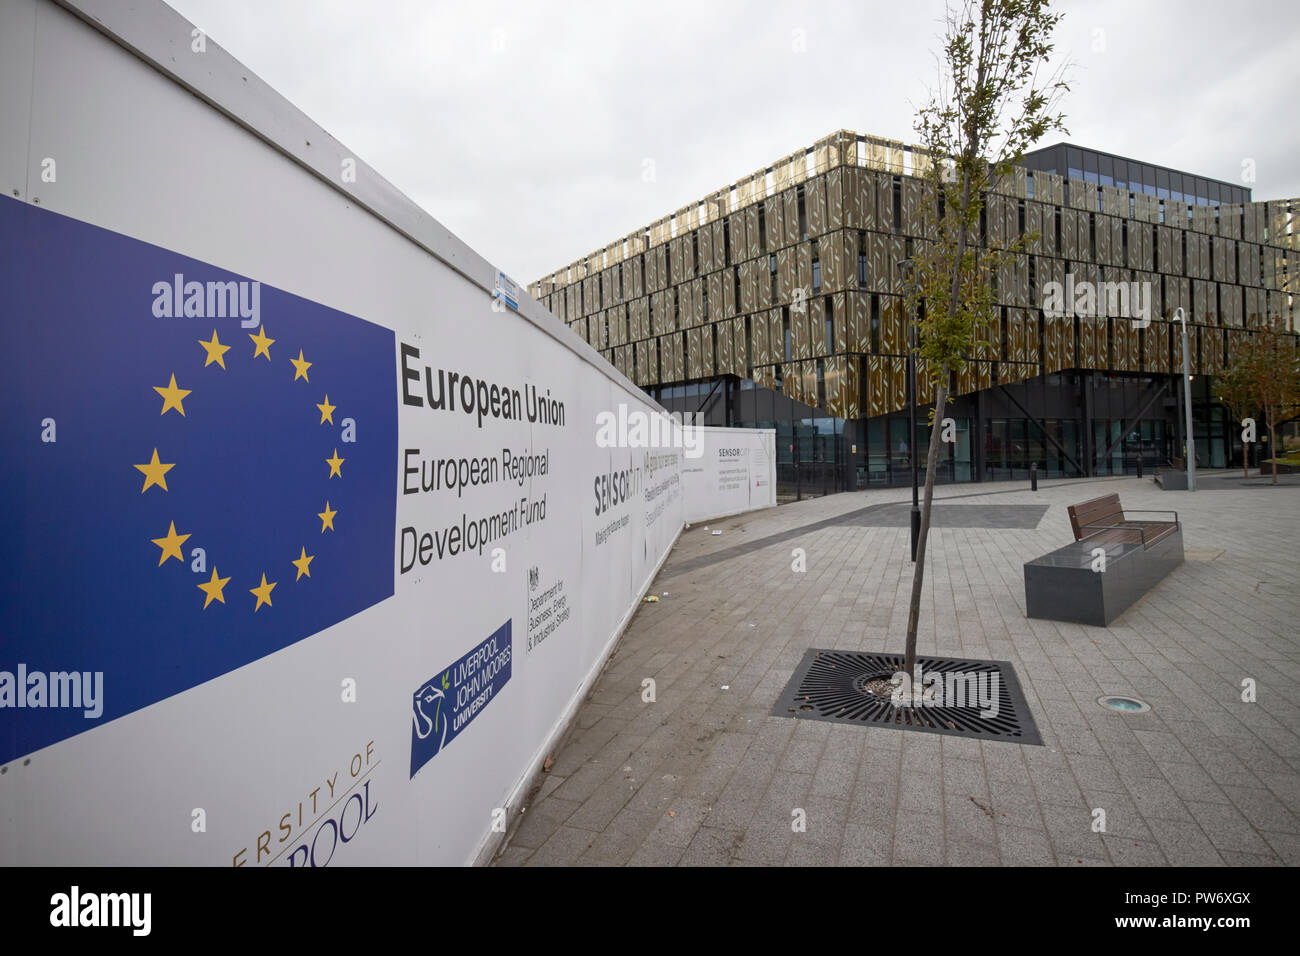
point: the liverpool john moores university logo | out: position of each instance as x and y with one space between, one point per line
445 704
182 495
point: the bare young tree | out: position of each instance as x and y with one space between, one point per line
990 105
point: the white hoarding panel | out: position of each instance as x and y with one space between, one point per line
310 548
735 472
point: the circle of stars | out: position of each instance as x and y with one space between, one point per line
155 471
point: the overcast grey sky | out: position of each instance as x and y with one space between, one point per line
525 127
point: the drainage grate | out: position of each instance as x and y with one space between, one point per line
832 685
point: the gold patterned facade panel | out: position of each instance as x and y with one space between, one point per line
694 369
818 343
1204 309
860 323
799 331
803 267
1120 331
1070 234
1092 342
748 286
1015 351
759 353
729 304
676 272
815 205
1231 311
792 381
879 401
877 262
1155 347
741 356
1211 351
835 200
893 325
885 202
776 335
843 319
967 380
811 393
722 340
790 201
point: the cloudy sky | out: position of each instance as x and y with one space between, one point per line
527 128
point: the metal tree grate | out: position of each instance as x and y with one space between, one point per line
831 685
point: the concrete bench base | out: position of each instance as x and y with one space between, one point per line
1062 586
1172 480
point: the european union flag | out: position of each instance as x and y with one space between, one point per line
197 471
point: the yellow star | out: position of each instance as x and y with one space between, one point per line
262 342
172 396
171 545
326 518
216 351
303 563
335 463
263 593
326 411
300 366
153 473
213 589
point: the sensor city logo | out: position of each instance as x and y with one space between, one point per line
636 428
948 689
1126 300
446 703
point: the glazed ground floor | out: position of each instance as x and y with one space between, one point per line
1072 424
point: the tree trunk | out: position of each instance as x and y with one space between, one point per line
1272 449
918 573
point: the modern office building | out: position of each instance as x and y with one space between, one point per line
778 302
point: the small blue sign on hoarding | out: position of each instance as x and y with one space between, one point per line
446 703
507 290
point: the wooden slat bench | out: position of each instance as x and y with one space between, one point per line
1103 520
1071 584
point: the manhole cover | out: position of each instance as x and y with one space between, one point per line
979 699
1128 705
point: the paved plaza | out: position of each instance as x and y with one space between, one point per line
704 776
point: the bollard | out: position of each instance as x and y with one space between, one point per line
1140 466
1033 476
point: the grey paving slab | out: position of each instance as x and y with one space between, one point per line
704 776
